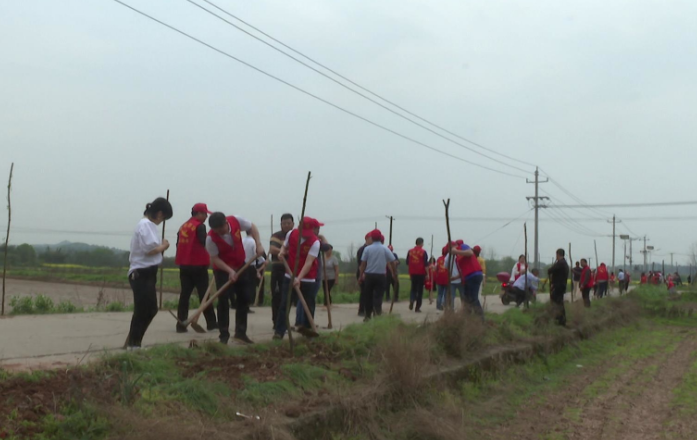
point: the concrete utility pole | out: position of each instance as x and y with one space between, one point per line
537 199
613 242
644 253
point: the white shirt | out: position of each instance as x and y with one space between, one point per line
250 250
620 276
146 237
455 272
314 251
515 272
532 282
212 248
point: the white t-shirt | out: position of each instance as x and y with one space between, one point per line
314 251
455 272
250 250
145 238
515 272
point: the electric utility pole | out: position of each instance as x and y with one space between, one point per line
536 200
613 241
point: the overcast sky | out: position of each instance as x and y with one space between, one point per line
102 110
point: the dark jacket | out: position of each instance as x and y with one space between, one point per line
558 275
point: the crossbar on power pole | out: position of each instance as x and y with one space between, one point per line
536 200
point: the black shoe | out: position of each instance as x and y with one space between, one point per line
212 327
243 339
366 319
250 311
361 313
224 340
411 305
277 337
182 329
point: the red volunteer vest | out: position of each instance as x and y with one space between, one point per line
601 274
190 252
587 270
441 272
468 265
518 275
233 255
428 284
416 261
304 251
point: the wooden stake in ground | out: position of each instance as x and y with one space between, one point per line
7 237
162 267
571 274
525 232
395 279
328 297
451 260
428 274
297 261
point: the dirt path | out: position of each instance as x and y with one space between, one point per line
627 396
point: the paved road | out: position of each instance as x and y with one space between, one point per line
54 341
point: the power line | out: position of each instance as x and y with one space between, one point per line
350 81
526 212
344 85
355 115
628 205
570 194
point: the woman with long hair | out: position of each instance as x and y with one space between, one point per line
145 258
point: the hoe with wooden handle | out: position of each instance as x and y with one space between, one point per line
194 324
193 319
309 332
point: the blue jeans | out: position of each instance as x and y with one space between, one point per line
443 293
471 293
309 291
440 298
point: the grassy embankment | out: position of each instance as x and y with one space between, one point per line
375 375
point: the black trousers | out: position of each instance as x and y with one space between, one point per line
361 299
391 284
417 290
374 291
144 285
239 293
557 300
327 292
586 293
196 277
278 272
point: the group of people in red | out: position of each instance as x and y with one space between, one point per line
227 250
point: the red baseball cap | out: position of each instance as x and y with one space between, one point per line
477 249
201 207
459 242
309 222
375 234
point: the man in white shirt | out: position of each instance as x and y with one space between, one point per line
456 284
620 278
256 272
520 284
